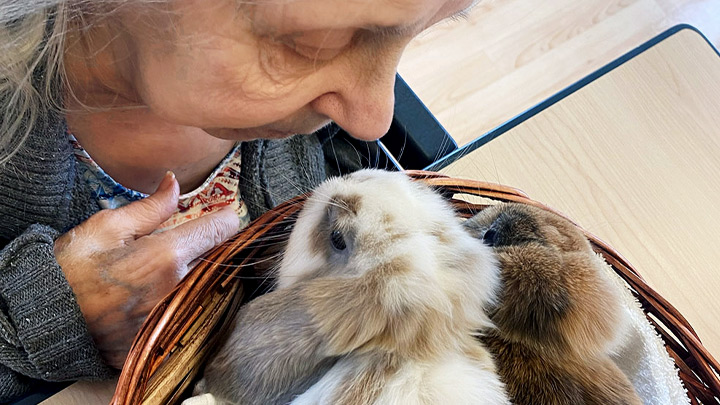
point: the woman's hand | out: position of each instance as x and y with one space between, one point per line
119 270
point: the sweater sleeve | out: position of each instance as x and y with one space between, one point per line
43 334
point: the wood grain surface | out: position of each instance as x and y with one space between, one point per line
634 158
509 55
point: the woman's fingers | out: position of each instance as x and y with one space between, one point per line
142 217
119 270
192 239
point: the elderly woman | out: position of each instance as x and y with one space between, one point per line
138 134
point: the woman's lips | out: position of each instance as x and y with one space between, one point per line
246 134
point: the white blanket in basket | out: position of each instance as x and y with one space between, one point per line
643 357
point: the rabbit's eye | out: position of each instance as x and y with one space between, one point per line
490 237
337 240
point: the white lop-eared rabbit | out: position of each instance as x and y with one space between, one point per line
379 294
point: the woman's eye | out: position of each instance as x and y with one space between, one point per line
337 240
313 53
319 45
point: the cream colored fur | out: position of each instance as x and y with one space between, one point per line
450 278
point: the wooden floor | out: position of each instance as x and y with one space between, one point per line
509 55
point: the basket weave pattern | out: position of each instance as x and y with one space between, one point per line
177 336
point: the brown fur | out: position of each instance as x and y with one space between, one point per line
557 314
350 202
364 388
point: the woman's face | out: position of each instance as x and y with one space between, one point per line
271 68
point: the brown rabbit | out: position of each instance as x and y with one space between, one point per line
378 296
558 316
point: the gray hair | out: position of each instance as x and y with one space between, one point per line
31 39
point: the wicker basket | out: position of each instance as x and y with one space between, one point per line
176 337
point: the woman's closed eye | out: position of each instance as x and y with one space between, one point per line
318 44
314 53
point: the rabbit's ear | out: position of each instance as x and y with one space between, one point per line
534 297
346 311
391 308
597 318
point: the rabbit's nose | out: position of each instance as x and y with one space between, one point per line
490 237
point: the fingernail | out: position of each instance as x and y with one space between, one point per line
167 181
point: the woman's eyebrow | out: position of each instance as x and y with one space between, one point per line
403 30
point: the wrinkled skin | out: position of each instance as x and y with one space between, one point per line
184 81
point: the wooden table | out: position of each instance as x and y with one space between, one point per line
509 55
634 157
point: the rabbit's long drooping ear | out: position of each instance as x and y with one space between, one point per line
284 341
558 315
272 354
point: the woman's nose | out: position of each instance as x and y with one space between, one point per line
363 102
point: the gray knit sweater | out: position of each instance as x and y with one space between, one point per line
43 334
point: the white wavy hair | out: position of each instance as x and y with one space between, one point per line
25 45
32 38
